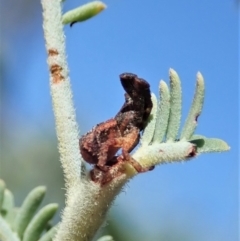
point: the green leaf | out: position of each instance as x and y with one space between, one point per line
149 130
83 12
167 124
159 153
163 112
29 207
39 222
196 109
176 106
214 145
210 144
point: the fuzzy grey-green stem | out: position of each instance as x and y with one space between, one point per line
39 222
195 110
86 204
176 106
87 209
159 153
28 209
64 112
162 113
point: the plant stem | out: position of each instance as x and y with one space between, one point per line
87 202
65 117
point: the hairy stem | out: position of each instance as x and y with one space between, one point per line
88 208
66 125
87 202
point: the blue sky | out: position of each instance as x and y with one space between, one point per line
146 38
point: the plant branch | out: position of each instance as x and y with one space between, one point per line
87 202
65 117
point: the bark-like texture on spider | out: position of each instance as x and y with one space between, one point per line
100 145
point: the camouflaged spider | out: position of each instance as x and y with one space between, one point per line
100 145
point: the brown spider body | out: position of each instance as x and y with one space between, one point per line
100 145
